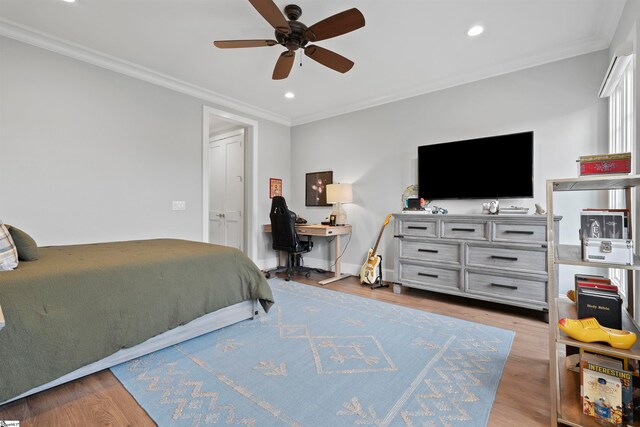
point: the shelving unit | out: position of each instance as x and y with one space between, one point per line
566 407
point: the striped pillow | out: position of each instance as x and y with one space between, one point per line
8 252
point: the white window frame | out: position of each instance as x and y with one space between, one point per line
621 139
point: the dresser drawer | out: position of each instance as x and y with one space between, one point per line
513 232
465 230
507 287
430 251
524 259
430 276
419 228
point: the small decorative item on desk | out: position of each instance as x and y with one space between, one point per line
605 164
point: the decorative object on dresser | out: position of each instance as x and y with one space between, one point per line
500 259
492 207
368 275
337 194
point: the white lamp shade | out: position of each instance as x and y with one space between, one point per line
339 193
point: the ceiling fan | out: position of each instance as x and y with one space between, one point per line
294 35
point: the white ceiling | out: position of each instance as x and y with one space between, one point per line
408 47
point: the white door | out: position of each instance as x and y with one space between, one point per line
226 191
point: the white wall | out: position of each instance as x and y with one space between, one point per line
90 155
376 149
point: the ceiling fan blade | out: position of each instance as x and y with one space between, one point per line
336 25
284 65
270 12
230 44
328 58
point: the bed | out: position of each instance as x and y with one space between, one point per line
83 308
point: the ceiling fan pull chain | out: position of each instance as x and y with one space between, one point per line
300 55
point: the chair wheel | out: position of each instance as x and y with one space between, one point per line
307 275
267 275
287 278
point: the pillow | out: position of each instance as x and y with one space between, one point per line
25 245
8 253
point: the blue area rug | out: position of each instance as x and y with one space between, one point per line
325 358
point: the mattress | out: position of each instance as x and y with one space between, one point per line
78 304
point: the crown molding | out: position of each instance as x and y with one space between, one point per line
58 45
581 47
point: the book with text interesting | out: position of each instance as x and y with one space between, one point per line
607 392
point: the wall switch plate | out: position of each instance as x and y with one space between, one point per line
179 205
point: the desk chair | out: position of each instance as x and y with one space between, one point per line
285 238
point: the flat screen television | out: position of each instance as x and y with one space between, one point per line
483 168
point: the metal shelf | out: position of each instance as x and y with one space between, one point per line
566 407
567 308
588 183
572 255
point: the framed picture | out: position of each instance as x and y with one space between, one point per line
275 187
316 188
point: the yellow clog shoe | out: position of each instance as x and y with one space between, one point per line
589 330
571 294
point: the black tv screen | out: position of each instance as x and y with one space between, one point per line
488 168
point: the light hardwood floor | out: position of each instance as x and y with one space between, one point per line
522 398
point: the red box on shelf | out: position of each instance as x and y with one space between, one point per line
605 164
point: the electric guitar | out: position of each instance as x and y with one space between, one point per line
368 270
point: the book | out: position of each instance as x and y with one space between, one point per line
604 305
607 392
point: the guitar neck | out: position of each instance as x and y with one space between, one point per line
375 248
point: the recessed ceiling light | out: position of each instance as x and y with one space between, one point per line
474 31
69 1
290 95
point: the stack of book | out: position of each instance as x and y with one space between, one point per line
597 297
606 387
604 164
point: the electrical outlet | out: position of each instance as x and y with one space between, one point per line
179 205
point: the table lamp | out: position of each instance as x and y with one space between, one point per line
339 194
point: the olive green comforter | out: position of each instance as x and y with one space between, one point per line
79 304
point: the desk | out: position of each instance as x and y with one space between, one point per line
323 231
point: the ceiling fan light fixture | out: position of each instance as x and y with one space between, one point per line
289 95
475 31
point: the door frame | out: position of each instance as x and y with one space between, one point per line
251 182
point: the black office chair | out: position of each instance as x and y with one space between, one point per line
285 238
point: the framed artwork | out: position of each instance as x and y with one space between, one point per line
316 188
275 187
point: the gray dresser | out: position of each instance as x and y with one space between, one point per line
500 258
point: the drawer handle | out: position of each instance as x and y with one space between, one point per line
471 230
399 236
499 285
518 232
506 258
415 227
433 251
435 276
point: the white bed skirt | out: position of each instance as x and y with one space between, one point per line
200 326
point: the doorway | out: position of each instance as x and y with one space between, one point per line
226 188
226 135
